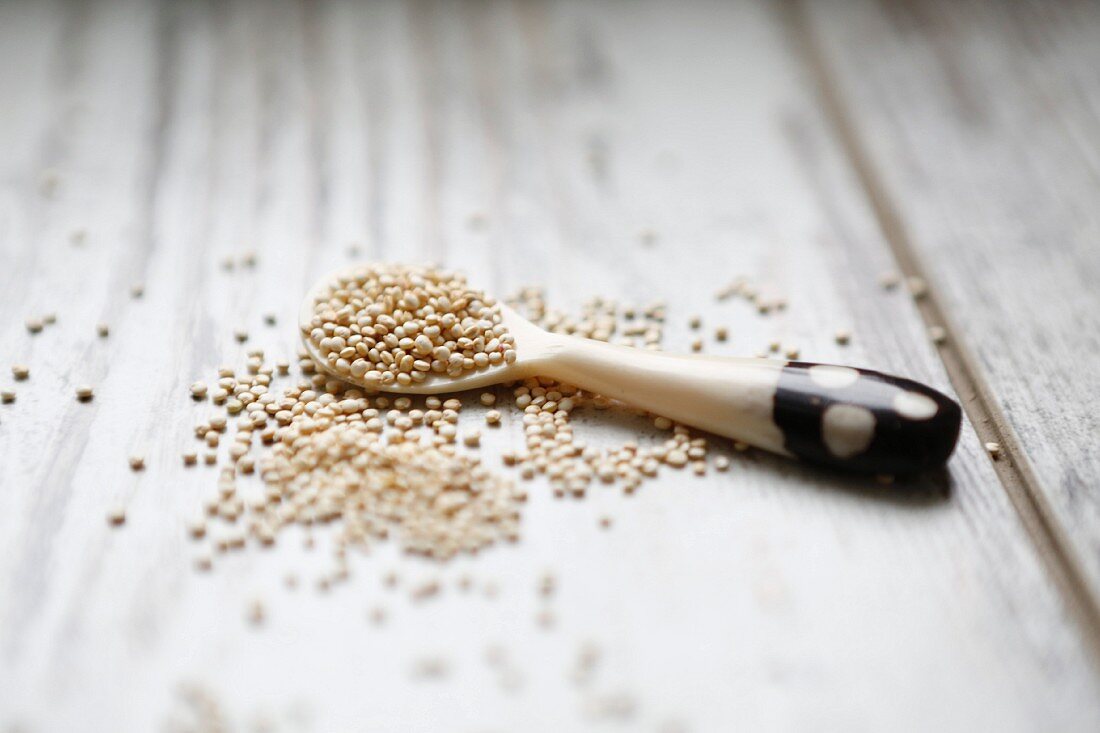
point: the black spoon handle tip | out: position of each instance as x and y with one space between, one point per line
865 421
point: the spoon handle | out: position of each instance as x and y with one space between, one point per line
848 418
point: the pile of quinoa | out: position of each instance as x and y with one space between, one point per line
372 467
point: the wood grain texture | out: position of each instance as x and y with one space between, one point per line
981 120
771 597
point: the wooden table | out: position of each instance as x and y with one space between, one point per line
631 150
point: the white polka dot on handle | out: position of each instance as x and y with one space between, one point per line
847 430
915 406
833 377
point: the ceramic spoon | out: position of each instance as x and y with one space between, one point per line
848 418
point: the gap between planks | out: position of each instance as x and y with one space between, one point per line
1012 468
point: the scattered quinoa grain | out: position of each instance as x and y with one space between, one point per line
102 330
20 372
116 516
488 399
545 618
917 286
938 334
84 392
48 181
137 462
676 458
426 590
843 337
7 396
430 668
256 613
993 449
34 325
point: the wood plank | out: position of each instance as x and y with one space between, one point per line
981 121
770 597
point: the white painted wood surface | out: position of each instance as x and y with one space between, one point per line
981 120
771 597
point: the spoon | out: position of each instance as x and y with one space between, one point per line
838 416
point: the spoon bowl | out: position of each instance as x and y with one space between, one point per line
531 348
